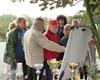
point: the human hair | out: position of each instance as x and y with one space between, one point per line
63 17
66 26
37 20
11 25
19 19
75 21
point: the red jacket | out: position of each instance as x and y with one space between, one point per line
50 54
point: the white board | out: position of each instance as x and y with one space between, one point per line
76 50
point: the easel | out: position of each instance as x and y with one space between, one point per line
76 50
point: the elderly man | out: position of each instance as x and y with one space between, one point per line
34 42
66 32
14 49
51 34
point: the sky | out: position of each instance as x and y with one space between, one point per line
32 10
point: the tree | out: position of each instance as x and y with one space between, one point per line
93 27
4 22
92 9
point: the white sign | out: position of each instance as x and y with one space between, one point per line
76 50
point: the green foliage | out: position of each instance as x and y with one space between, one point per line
95 6
52 3
99 30
4 21
91 68
16 0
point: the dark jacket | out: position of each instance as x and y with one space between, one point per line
11 44
60 32
63 42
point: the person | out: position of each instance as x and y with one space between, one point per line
51 34
10 27
34 42
64 39
75 22
14 50
92 47
89 57
62 20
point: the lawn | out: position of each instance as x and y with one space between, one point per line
98 77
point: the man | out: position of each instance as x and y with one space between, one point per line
66 32
14 50
64 39
51 34
34 42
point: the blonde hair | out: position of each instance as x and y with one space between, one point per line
11 25
75 21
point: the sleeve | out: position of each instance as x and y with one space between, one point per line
10 46
47 44
61 42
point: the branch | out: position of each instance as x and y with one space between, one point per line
76 3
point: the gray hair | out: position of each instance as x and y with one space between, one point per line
38 19
19 19
66 26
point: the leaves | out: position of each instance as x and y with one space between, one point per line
13 0
18 0
95 7
51 4
91 68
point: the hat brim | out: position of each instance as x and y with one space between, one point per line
56 25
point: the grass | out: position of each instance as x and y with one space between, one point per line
98 77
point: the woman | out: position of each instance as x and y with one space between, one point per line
62 20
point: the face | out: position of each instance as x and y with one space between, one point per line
61 22
22 24
75 24
40 25
67 31
54 29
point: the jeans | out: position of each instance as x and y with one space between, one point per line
49 75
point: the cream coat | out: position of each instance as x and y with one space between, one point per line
34 42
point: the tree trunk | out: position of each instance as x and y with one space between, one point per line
93 27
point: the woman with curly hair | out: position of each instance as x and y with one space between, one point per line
62 21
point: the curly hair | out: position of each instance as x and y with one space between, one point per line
63 17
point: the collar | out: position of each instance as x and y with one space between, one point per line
49 31
36 29
65 37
